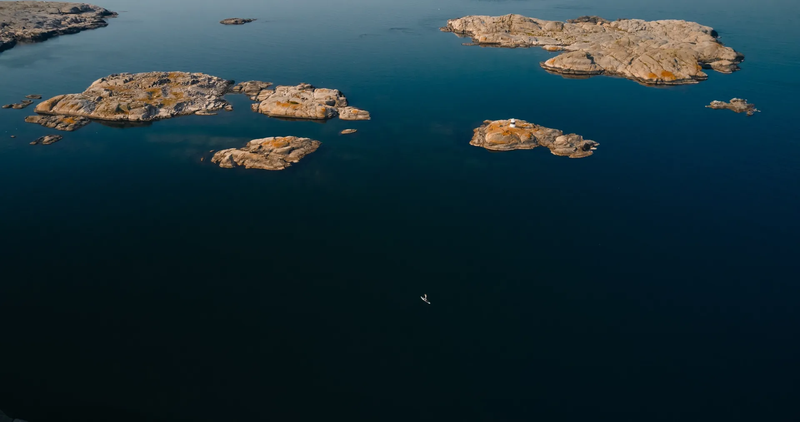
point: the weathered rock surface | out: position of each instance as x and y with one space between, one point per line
33 21
267 154
251 88
664 52
142 97
47 139
235 21
348 131
737 104
20 105
499 135
65 123
34 96
302 101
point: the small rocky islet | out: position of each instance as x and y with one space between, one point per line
236 21
513 134
303 101
34 21
274 153
662 52
737 105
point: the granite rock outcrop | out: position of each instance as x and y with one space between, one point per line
737 105
303 101
64 123
142 97
663 52
276 153
508 135
33 21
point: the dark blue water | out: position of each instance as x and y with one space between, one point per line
655 280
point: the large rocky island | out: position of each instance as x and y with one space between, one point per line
303 101
142 97
664 52
508 135
33 21
275 153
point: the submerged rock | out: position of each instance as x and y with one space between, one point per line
500 135
303 101
65 123
665 52
33 21
20 105
737 104
47 139
235 21
275 153
348 131
34 96
142 97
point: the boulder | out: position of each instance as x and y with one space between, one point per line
348 131
274 153
664 52
142 97
33 21
500 135
65 123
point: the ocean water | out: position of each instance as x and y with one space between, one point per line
656 280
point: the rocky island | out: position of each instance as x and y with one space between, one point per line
274 153
33 21
664 52
303 101
47 139
508 135
20 105
142 97
235 21
737 105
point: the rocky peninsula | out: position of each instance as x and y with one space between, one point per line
142 97
274 153
303 101
65 123
33 21
663 52
737 105
508 135
235 21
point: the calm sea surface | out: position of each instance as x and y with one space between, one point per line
657 280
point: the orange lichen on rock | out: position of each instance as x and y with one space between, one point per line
667 75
